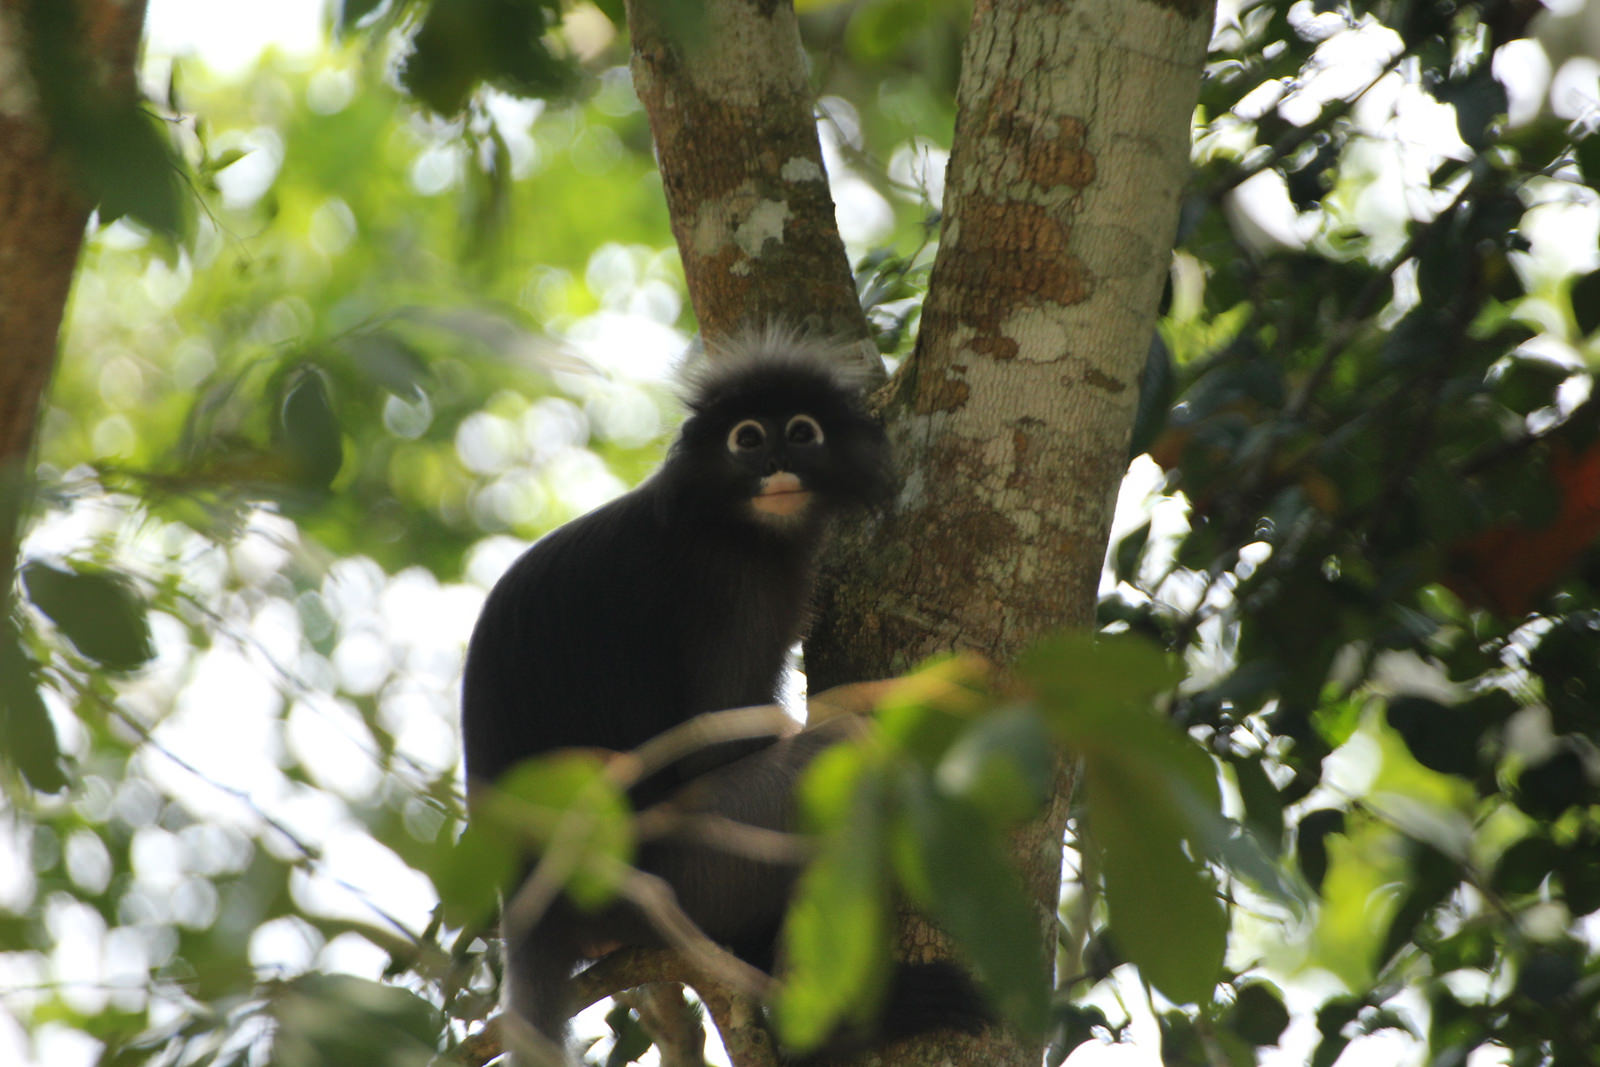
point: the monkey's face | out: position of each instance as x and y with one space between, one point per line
778 453
781 444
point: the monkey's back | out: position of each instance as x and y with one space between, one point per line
622 624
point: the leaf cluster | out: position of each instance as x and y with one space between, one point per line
1387 558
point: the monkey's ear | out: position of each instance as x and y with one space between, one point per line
854 698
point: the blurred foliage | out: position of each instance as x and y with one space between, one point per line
115 152
1382 439
307 409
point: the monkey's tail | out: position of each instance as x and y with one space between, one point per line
536 989
921 997
930 996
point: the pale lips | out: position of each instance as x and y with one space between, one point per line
781 494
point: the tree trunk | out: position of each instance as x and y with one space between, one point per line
1010 422
42 220
731 113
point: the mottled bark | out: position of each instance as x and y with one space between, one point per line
42 220
731 113
1011 420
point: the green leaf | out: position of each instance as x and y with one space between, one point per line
308 430
1479 99
1332 1018
1157 384
131 169
1263 805
1088 685
498 42
1005 765
27 736
837 934
613 10
1257 1013
222 160
1164 910
118 154
1588 153
97 610
1547 789
1579 874
928 710
630 1040
1523 868
1311 846
1074 1024
390 362
1527 384
564 809
1586 301
1434 876
470 874
1440 737
954 867
1125 561
1153 805
1550 973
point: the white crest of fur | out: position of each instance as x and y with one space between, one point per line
776 342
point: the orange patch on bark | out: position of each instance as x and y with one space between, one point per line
1063 159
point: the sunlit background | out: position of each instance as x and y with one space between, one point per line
219 752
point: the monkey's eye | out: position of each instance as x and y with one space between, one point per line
803 430
746 436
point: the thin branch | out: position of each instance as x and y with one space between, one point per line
1299 135
725 834
736 1014
700 732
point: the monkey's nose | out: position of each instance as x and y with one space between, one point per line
773 466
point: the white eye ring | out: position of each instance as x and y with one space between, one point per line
740 438
809 431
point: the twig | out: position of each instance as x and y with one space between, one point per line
723 833
700 732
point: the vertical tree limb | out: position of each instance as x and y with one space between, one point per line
42 220
731 113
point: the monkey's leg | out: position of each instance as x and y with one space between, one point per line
737 896
539 962
538 967
741 901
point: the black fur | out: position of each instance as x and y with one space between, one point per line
675 599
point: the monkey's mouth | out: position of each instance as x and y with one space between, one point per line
781 495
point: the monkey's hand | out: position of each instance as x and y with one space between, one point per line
853 698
